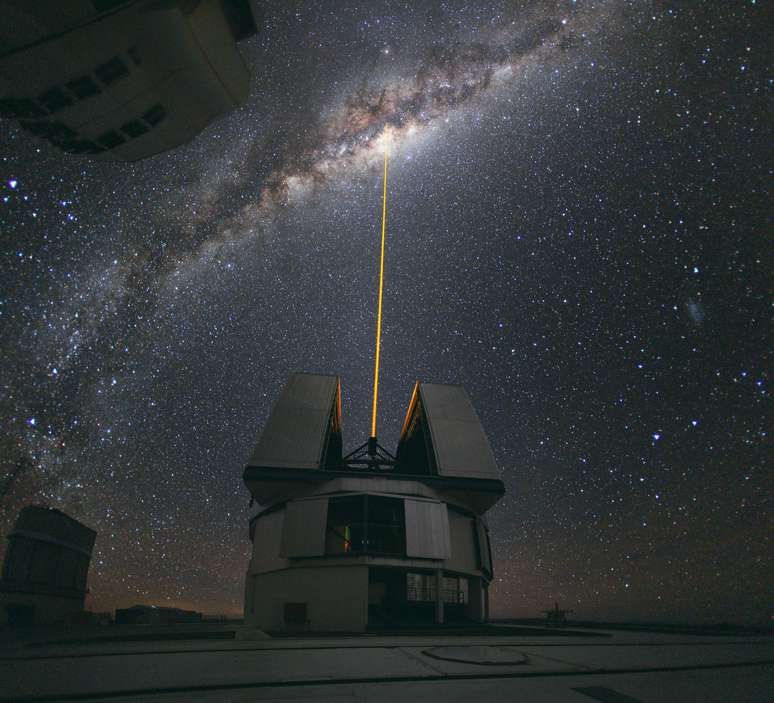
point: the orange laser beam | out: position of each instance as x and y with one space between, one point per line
379 306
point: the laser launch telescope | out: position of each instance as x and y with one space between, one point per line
371 539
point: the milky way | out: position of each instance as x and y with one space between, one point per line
447 78
578 204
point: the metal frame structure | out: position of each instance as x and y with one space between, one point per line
371 456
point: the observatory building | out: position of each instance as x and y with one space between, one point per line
121 80
369 539
45 568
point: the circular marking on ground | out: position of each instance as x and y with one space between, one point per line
478 654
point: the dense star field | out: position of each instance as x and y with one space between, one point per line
577 234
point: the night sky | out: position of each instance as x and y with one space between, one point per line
577 234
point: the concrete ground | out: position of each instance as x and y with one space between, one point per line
208 665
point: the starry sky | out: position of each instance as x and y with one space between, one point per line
577 234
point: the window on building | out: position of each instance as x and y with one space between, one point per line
20 107
386 525
58 134
82 146
40 128
345 530
83 87
54 99
420 587
134 128
365 524
464 589
455 589
111 71
239 15
111 139
155 115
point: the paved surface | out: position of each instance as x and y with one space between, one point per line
624 668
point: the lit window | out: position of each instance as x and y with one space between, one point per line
365 524
345 525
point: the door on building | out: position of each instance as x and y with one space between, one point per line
386 597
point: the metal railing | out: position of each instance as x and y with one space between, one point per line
428 594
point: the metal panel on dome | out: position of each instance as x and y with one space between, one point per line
427 529
484 547
303 528
456 444
304 428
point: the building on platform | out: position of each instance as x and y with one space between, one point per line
122 80
556 617
371 539
45 568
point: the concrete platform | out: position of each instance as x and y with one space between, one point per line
482 654
626 667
